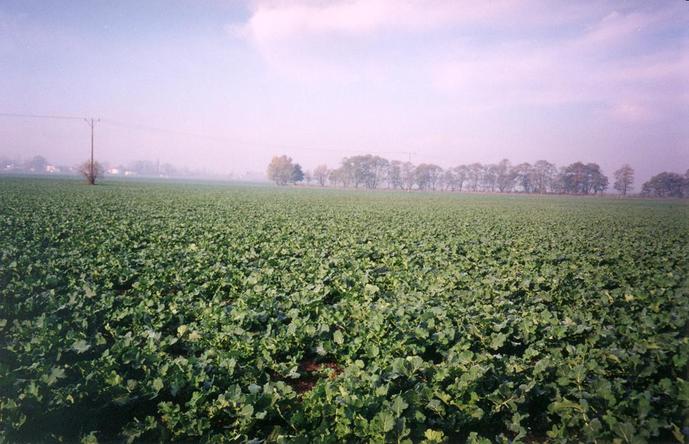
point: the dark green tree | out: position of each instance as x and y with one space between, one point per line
297 174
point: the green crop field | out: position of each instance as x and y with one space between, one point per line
180 312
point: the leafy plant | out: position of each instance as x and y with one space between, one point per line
148 312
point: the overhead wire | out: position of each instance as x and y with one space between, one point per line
142 127
42 116
235 140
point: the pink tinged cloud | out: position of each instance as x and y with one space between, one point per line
273 21
311 41
578 70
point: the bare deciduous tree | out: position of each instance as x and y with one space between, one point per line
91 172
320 173
408 175
460 172
544 176
624 178
428 175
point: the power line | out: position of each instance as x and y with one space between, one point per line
141 127
42 116
208 136
91 122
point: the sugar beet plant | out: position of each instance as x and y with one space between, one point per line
149 312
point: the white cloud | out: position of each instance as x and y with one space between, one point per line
494 53
272 21
317 40
612 64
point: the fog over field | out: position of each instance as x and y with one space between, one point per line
224 85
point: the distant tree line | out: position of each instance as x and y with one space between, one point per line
372 172
35 165
667 184
40 165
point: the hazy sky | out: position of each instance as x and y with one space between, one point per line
452 81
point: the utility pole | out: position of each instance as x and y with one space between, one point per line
92 172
